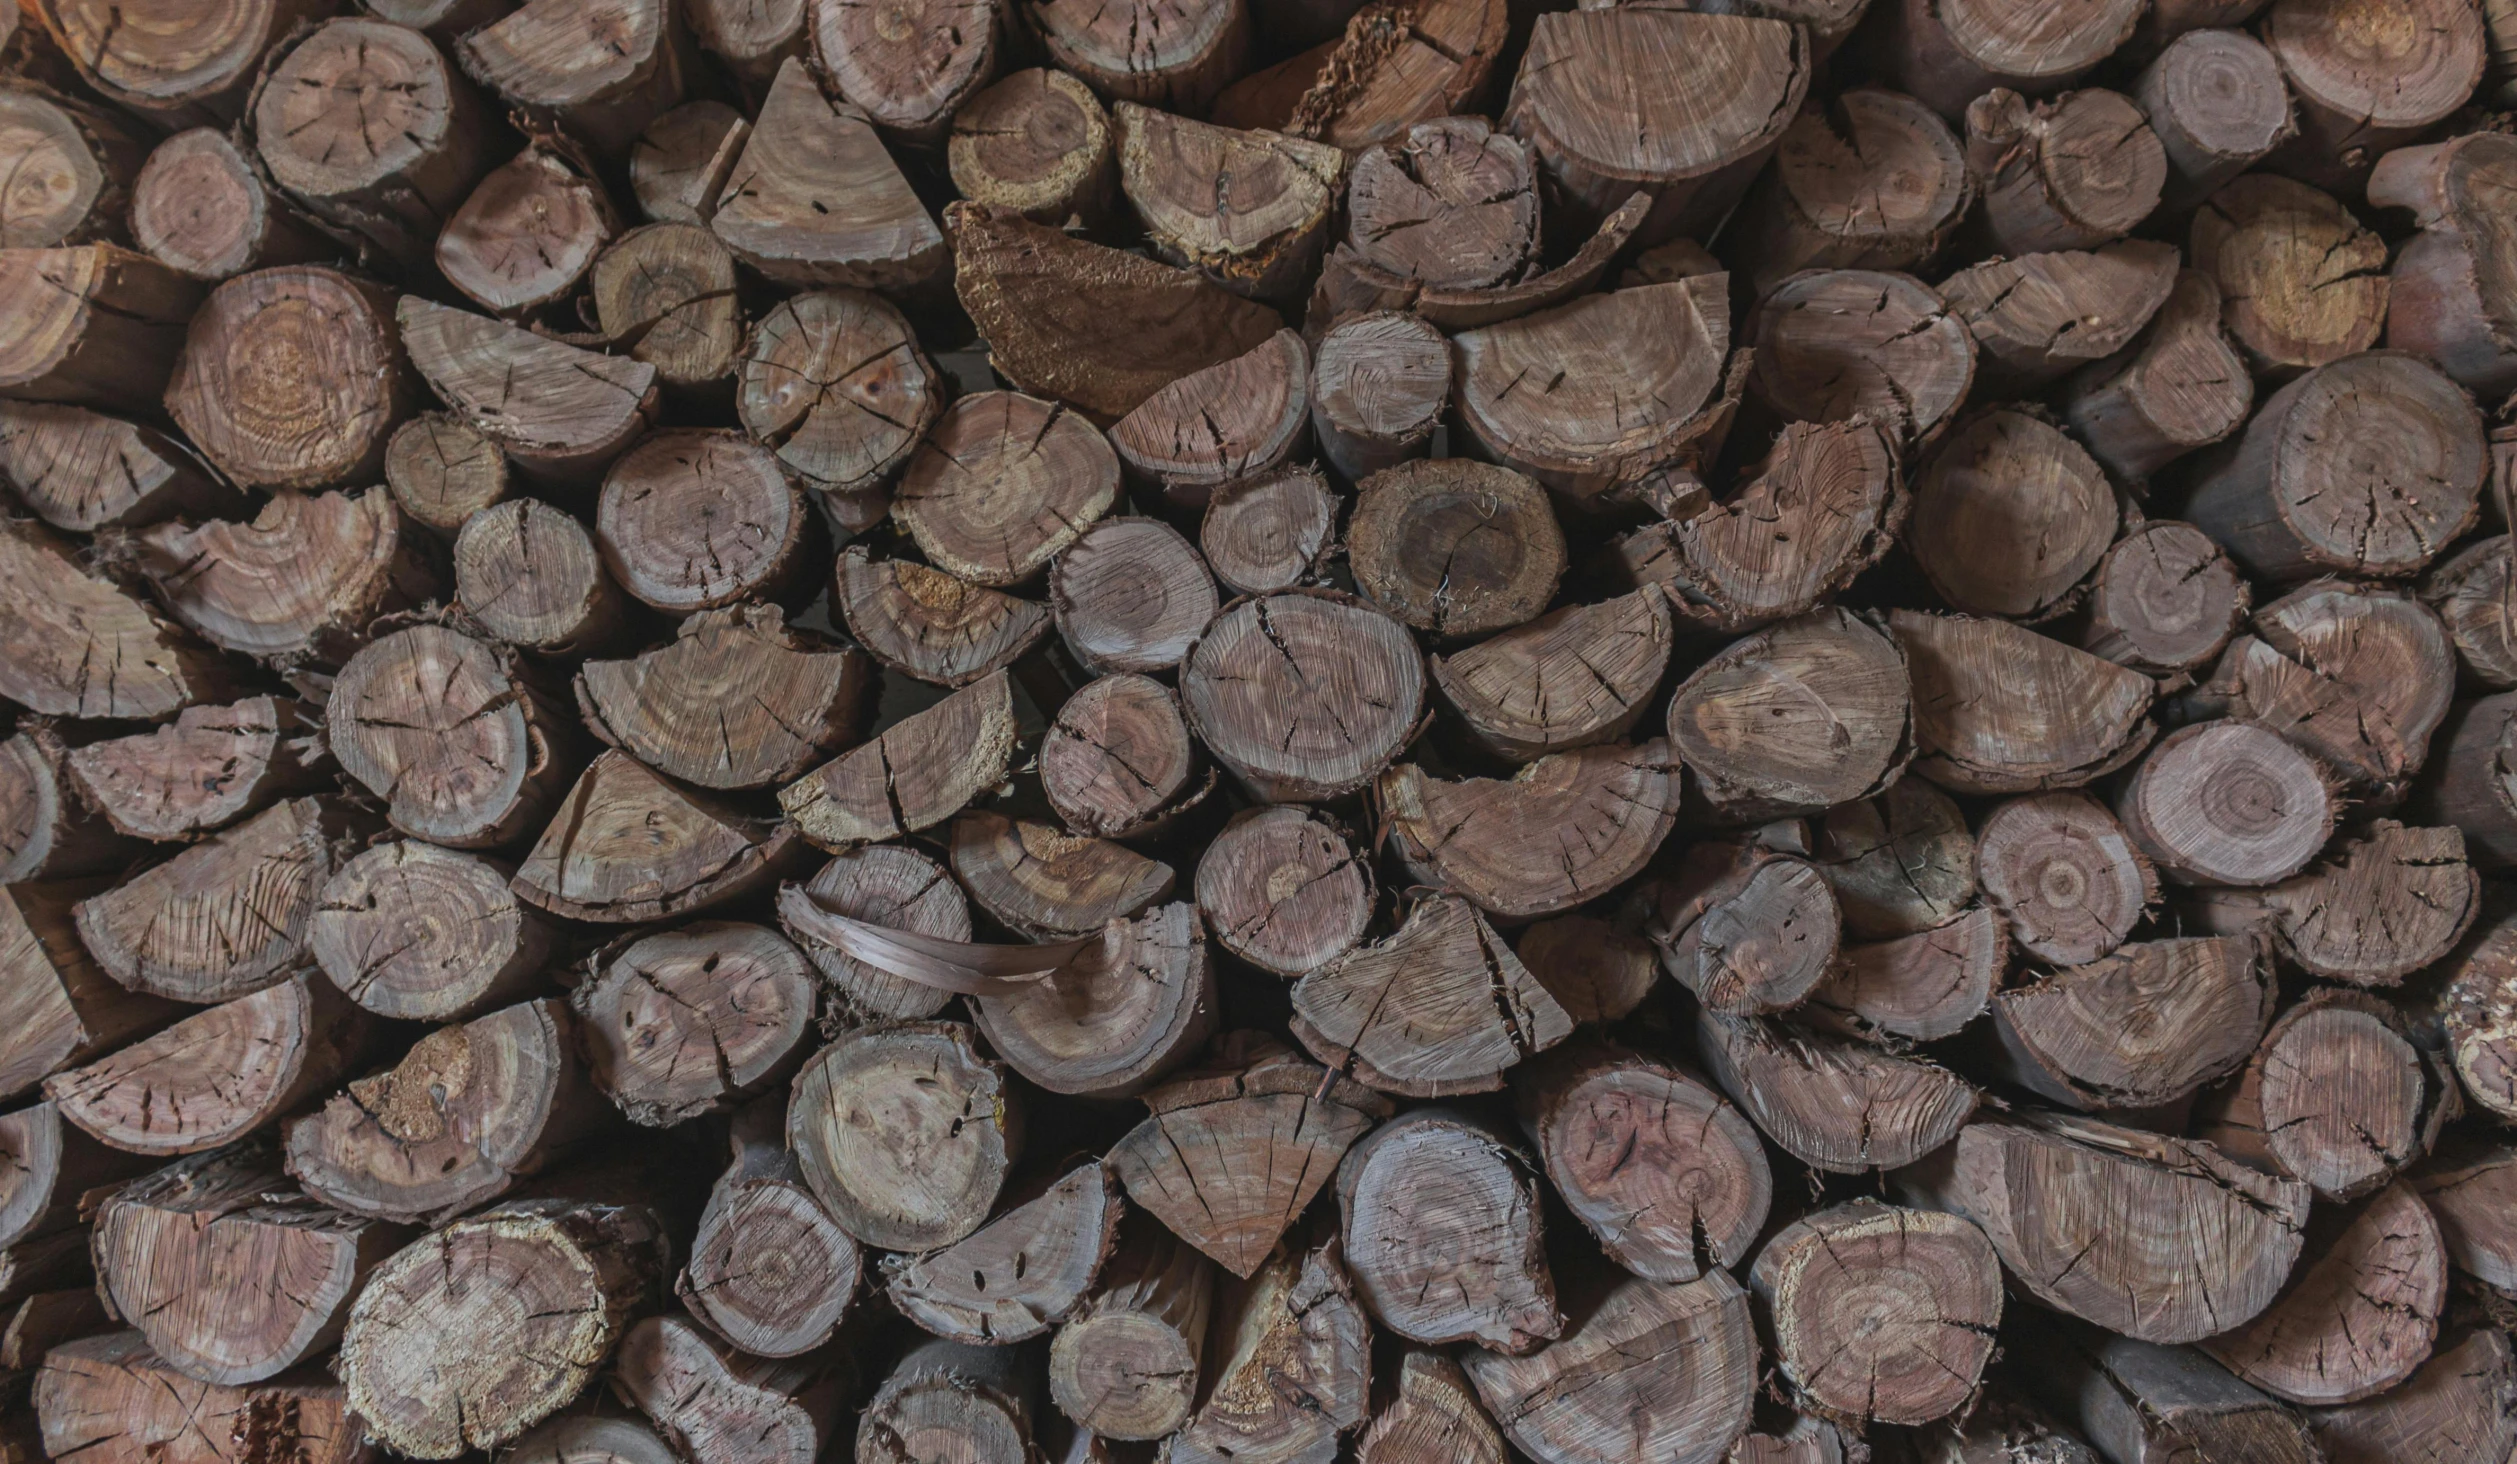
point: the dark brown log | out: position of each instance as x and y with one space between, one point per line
2470 590
1304 695
2362 91
2001 1429
901 1162
2010 515
50 1172
1003 484
441 19
70 167
1117 761
2147 1404
36 1326
2041 315
1452 204
954 1400
1130 595
1880 1313
302 582
925 623
737 700
1900 863
1568 679
95 324
712 1402
528 233
2462 1402
769 1269
2061 871
1644 1369
174 65
471 1336
893 886
212 767
2469 785
370 130
1430 1414
2381 907
1456 548
442 470
1439 1008
921 771
1795 718
219 1074
909 66
2001 709
1639 390
1168 53
1443 1235
2452 296
2337 1096
1949 54
1843 1107
2216 101
667 292
48 826
679 165
57 1006
1036 143
2499 26
1744 930
1924 986
2467 1186
1391 68
415 932
2183 387
2478 1010
2361 1314
81 470
2070 173
1565 830
1116 1016
2140 1028
2302 282
444 729
1237 419
816 201
1871 180
695 1019
626 846
560 413
1807 1440
2164 1240
2359 676
697 519
1284 891
1269 533
1233 1154
602 69
1248 210
2165 599
1020 1274
834 380
1127 1365
1669 1178
1378 389
532 577
1294 1366
111 1400
1830 343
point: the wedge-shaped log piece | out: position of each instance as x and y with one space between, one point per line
2010 516
80 647
738 700
1295 1369
1843 1107
1570 678
1234 420
1643 1369
769 1270
1020 1274
1867 180
213 766
2039 315
48 828
692 1019
627 846
816 200
2360 676
464 751
2137 1029
1304 695
1881 1312
1129 1364
1744 929
921 771
1442 1226
81 470
1249 210
528 234
973 1403
602 69
890 885
302 581
1351 285
905 1133
1117 1015
47 1170
924 623
561 413
95 324
57 1005
1795 718
290 379
1563 831
113 1400
1442 1007
223 918
713 1402
1003 484
2361 1314
2457 1405
1835 342
1922 987
2337 1095
2467 589
834 380
1284 891
1431 1414
2001 709
419 933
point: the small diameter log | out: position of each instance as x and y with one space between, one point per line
1269 533
2070 173
2362 89
419 933
1454 547
2467 1188
2009 516
1439 1008
1871 180
531 576
210 768
1443 1235
905 1133
2001 709
926 624
1232 1155
1117 1016
2183 387
1669 1178
203 206
692 1020
2041 315
625 846
2216 102
697 519
1430 1413
2361 1314
1949 54
1640 376
1127 1365
679 165
442 470
47 1170
81 470
468 1112
1117 762
956 1401
1568 679
2469 590
1020 1274
2228 803
302 582
560 413
48 828
1745 930
2151 1404
176 67
1452 204
1236 419
712 1402
1036 143
892 886
526 236
57 1006
921 771
1565 830
677 708
2061 871
834 380
1002 484
219 1074
815 199
1922 987
2454 296
471 1336
1294 1370
1880 1313
1130 594
223 918
1899 863
1378 387
1284 891
752 39
1796 718
1644 1369
66 621
1304 695
2456 1402
602 69
2162 1239
1842 1107
2478 1008
910 67
1823 506
94 325
1168 53
2303 282
2382 907
70 167
2337 1097
2359 676
1249 210
440 726
1830 343
667 292
2165 599
290 379
370 130
769 1270
112 1400
2140 1028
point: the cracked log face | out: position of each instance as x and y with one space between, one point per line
1167 53
769 1270
1924 986
444 729
1453 204
1003 483
2165 598
1949 52
2071 173
1303 695
1455 548
79 646
1643 1367
924 623
2228 803
776 700
690 1020
1284 891
2360 676
2001 709
2040 315
834 380
1881 1312
697 520
2360 1314
1571 677
953 1400
904 1133
1022 1273
603 69
442 471
1835 342
2337 1095
1900 864
112 1397
2009 516
2140 1028
1442 1231
1843 1107
815 200
2065 876
533 578
2361 90
1269 533
1380 382
1799 717
1869 180
911 64
1036 143
667 292
81 470
419 933
301 582
2381 908
712 1402
1118 761
1236 419
560 413
1117 1015
1441 1007
1745 930
1296 1369
2183 388
1432 1413
625 846
921 771
1565 830
527 235
2456 1403
290 379
213 767
2303 282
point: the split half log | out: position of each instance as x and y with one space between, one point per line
1441 1007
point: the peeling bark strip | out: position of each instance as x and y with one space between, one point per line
1117 1015
1021 1274
1440 1008
897 888
1880 1312
918 773
769 1270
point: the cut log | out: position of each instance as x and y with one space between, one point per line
2062 873
2337 1096
1378 389
1248 210
2001 709
1899 863
1452 204
1390 69
1304 695
1036 143
442 470
1949 54
1439 1008
209 769
111 1400
2478 1010
1456 548
1443 1235
953 1400
1880 1313
526 236
1744 930
1295 1366
1117 761
816 201
1117 1015
2164 1240
918 773
1669 1178
2469 783
2038 316
2165 599
905 1133
2358 675
532 577
1922 987
445 729
926 624
49 1174
769 1269
302 582
2359 93
1351 285
2216 101
467 1113
560 413
1168 53
1431 1414
174 65
2469 590
697 519
2009 516
712 1402
910 66
2001 1429
1269 533
834 380
2070 173
1870 180
667 292
1233 1154
695 1019
1284 891
58 1007
2452 287
1022 1273
2462 1402
1565 830
1796 718
2380 908
1637 382
96 325
2228 803
1130 594
48 826
1570 678
753 39
218 1075
1003 483
1643 1369
679 165
2140 1028
81 470
1237 419
473 1335
1842 1107
37 1325
2361 1314
71 168
80 647
2303 283
626 846
2183 387
675 708
1831 343
372 132
600 69
2151 1404
381 933
1126 1366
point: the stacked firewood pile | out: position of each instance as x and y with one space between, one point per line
1258 731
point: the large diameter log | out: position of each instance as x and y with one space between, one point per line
292 379
2140 1028
415 932
1118 1015
1870 180
2148 1404
626 846
71 167
1284 891
2363 88
473 1335
1169 53
211 768
2065 876
921 771
905 1163
1643 1369
203 206
1524 694
1830 343
561 413
738 700
1924 986
1880 1312
693 1019
2358 675
1439 1008
2216 100
1842 1107
81 470
955 1401
2455 286
113 1400
2300 278
2164 599
1294 1370
2001 709
95 325
1746 931
769 1270
1949 54
1037 143
303 581
58 1007
713 1402
2041 315
442 727
1563 831
1303 695
1234 420
815 200
1130 595
1128 1365
1005 482
2337 1096
1796 718
2164 1240
834 380
2361 1313
2070 173
2460 1403
2182 388
1443 1235
910 67
1022 1273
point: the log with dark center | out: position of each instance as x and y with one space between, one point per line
210 768
447 731
1566 829
1842 1107
1118 1015
2041 315
1745 930
527 235
303 581
1304 694
1870 180
905 1133
1118 762
1443 1234
2298 274
1455 548
1441 1007
2164 599
769 1270
1036 143
1880 1312
1236 419
2140 1028
625 846
921 771
2182 388
418 933
2062 872
1130 595
2337 1096
1003 483
834 380
695 1019
1834 342
1024 1272
1126 1366
1284 891
736 700
532 577
1269 533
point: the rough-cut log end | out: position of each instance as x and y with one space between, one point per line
626 846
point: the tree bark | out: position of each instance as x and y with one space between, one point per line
1304 695
2151 1405
921 771
2182 388
1127 1365
625 846
1920 987
1746 931
1950 53
71 169
2478 1010
667 292
2070 173
2336 1096
1842 1107
526 236
1021 1274
560 413
2454 295
1295 1374
816 201
692 1020
111 1400
1391 68
1351 285
1880 1313
1830 343
1036 143
2458 1401
451 734
948 1398
600 69
904 1165
2360 1316
712 1402
1455 548
1169 53
442 471
2165 599
1249 210
2360 676
2041 315
2064 875
679 166
1130 595
95 325
1565 830
698 519
173 65
1439 1008
2303 282
2216 100
82 471
1899 863
1118 762
2140 1028
1431 1415
1871 180
1117 1016
1442 1229
58 1007
769 1270
1237 419
210 768
2357 97
1283 890
2001 709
